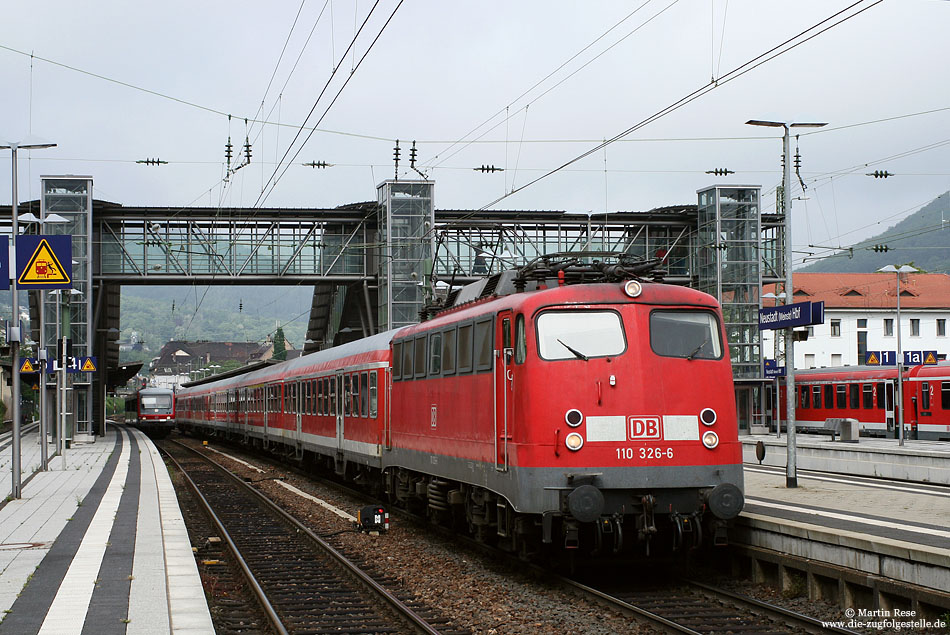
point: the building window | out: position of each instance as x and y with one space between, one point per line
941 327
811 331
809 360
836 359
862 323
888 327
914 327
836 328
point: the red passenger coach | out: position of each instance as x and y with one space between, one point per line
868 395
537 414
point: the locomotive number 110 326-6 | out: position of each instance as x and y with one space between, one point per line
644 453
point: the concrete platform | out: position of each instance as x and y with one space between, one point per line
97 544
919 461
869 519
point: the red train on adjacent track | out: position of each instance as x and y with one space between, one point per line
541 415
868 394
151 410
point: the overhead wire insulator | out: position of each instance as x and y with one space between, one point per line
228 152
247 149
488 168
241 305
155 161
396 158
412 156
880 174
881 248
318 164
720 172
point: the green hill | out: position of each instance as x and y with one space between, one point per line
923 239
236 313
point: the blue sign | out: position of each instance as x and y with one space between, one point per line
73 365
791 315
44 262
4 263
916 358
772 369
880 358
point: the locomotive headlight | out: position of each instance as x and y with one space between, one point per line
710 439
708 416
574 442
573 417
632 288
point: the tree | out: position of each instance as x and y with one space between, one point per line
280 346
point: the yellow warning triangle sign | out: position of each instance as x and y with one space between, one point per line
88 367
873 360
43 268
27 367
930 359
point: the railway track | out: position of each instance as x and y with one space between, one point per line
302 583
701 609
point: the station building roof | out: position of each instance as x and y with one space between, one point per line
871 290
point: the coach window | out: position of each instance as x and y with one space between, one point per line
448 352
521 345
880 396
945 395
372 394
407 359
419 363
804 397
925 395
842 392
465 348
397 360
364 398
868 391
854 395
315 388
816 396
435 354
333 410
483 345
829 396
356 394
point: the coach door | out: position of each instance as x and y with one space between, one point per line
889 405
336 401
504 387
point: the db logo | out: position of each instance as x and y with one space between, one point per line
644 427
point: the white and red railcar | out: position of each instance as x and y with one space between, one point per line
151 410
596 417
868 394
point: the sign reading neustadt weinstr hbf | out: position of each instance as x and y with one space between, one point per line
790 315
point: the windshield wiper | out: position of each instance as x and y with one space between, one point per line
697 349
577 353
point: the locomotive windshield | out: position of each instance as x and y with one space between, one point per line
688 334
580 334
156 403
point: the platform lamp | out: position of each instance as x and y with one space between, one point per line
41 353
777 404
900 353
13 335
791 474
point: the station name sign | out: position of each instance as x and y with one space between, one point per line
790 315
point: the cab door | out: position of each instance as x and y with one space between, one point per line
503 373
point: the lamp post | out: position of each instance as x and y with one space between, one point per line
791 475
900 353
13 336
41 352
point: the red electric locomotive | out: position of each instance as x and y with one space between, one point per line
538 414
151 410
868 394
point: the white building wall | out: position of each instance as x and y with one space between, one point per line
821 345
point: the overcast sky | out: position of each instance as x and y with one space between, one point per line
568 75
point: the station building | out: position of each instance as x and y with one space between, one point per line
861 316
